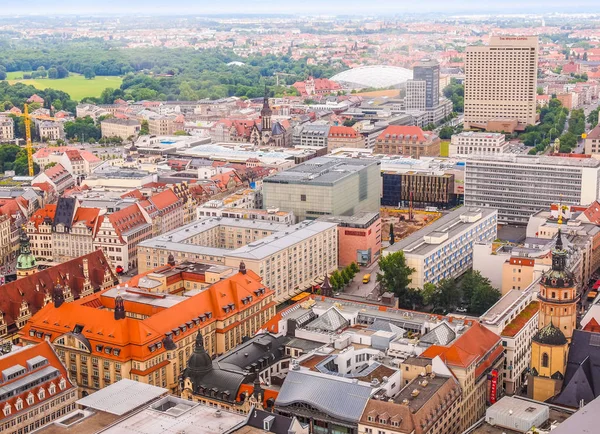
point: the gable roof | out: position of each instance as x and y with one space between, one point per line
164 199
35 290
40 215
473 345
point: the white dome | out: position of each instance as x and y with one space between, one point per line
377 76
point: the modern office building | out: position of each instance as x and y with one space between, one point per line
520 185
501 81
444 249
470 142
433 188
416 95
428 70
325 186
287 257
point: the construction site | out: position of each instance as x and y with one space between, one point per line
405 221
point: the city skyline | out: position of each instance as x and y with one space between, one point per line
310 7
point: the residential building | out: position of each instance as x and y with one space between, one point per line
49 130
344 137
313 135
325 186
359 238
569 100
475 359
428 70
7 129
316 86
411 410
58 177
161 125
146 332
515 319
77 278
91 110
470 142
47 155
501 81
592 142
123 128
407 140
288 258
169 210
444 249
422 188
36 388
270 215
518 186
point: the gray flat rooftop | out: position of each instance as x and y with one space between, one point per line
176 415
282 236
168 300
450 223
500 310
425 393
535 160
321 171
122 397
361 219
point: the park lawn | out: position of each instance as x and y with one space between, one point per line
75 84
444 148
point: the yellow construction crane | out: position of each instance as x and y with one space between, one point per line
28 144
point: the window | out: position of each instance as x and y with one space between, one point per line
545 360
6 410
303 198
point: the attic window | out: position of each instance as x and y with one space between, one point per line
108 350
78 329
152 348
31 332
116 351
196 321
99 348
208 314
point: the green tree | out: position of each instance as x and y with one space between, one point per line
53 73
446 133
336 280
2 75
346 276
181 133
57 104
62 71
483 298
144 129
186 93
394 274
349 122
429 293
449 296
355 268
89 73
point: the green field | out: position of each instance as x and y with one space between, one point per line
75 85
444 148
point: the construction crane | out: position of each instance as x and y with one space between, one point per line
28 144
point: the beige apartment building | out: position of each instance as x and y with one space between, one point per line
7 129
501 81
471 142
287 257
123 128
161 126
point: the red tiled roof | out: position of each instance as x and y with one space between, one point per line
592 213
89 216
44 186
402 130
164 199
38 217
55 172
473 345
133 193
127 219
592 326
32 289
342 132
74 155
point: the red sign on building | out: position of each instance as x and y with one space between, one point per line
494 386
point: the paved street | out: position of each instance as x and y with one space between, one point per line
365 290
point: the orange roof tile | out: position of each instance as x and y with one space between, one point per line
89 216
403 130
40 215
21 357
164 199
592 326
341 131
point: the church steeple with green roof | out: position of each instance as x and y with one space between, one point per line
26 262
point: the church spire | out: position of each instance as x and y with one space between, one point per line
266 113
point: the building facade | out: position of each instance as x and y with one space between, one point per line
428 70
344 137
7 129
123 128
147 332
407 140
501 81
36 389
518 186
444 249
470 142
325 186
422 188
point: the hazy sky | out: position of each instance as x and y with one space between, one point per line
183 7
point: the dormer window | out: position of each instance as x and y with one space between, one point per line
62 384
6 410
52 389
41 394
19 404
30 399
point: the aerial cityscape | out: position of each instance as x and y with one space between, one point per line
334 217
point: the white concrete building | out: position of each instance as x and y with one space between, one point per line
470 142
520 185
7 129
444 249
